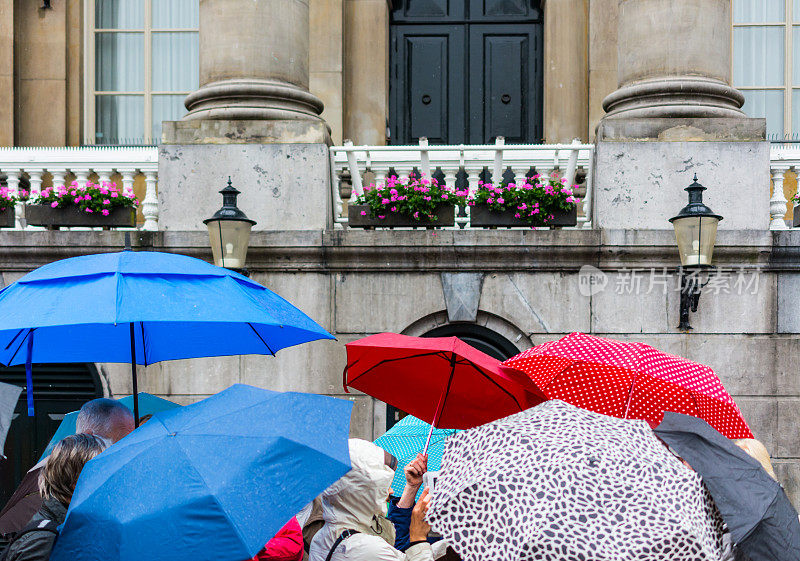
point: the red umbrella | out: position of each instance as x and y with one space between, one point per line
629 380
440 380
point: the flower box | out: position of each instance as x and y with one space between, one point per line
481 216
72 216
796 217
7 217
445 214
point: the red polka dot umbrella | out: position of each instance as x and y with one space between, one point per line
629 380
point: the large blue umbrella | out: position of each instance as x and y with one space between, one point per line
406 439
142 308
149 404
210 481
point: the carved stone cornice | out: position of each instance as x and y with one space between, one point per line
350 251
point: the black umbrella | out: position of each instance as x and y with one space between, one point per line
762 521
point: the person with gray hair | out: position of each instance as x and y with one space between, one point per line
57 482
105 417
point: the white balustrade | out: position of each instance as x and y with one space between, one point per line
783 158
356 161
82 162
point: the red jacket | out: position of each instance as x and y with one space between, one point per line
287 545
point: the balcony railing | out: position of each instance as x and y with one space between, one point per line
355 166
136 168
784 158
30 169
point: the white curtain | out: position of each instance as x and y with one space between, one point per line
758 59
120 61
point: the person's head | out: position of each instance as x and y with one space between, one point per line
105 417
757 451
358 499
60 473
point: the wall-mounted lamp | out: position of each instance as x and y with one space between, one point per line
696 233
229 232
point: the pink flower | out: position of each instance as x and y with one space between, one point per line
114 195
106 202
501 200
385 201
76 200
490 200
382 217
105 212
363 213
89 210
444 196
54 204
393 209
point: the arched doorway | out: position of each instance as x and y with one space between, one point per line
57 389
480 337
466 71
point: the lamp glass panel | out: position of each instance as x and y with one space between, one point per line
696 236
229 241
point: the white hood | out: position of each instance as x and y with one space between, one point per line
358 500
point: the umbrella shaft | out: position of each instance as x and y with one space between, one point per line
442 399
133 377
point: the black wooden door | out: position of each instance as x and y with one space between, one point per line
433 97
466 71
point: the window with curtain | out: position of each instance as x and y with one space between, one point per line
766 33
145 59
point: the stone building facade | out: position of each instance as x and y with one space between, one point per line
649 81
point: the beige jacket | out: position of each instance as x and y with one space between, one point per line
357 501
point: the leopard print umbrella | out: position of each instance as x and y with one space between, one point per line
559 483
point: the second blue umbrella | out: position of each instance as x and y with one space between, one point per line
211 481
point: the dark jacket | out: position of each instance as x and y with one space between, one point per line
401 518
36 545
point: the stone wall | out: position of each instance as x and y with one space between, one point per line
355 283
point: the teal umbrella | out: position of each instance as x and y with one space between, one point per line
407 439
148 405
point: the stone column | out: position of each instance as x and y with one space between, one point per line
7 72
674 60
253 62
366 71
566 70
675 114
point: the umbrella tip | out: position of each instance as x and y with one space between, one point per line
127 241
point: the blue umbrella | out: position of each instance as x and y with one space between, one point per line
149 404
407 439
142 308
210 481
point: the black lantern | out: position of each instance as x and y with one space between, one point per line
696 233
229 231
